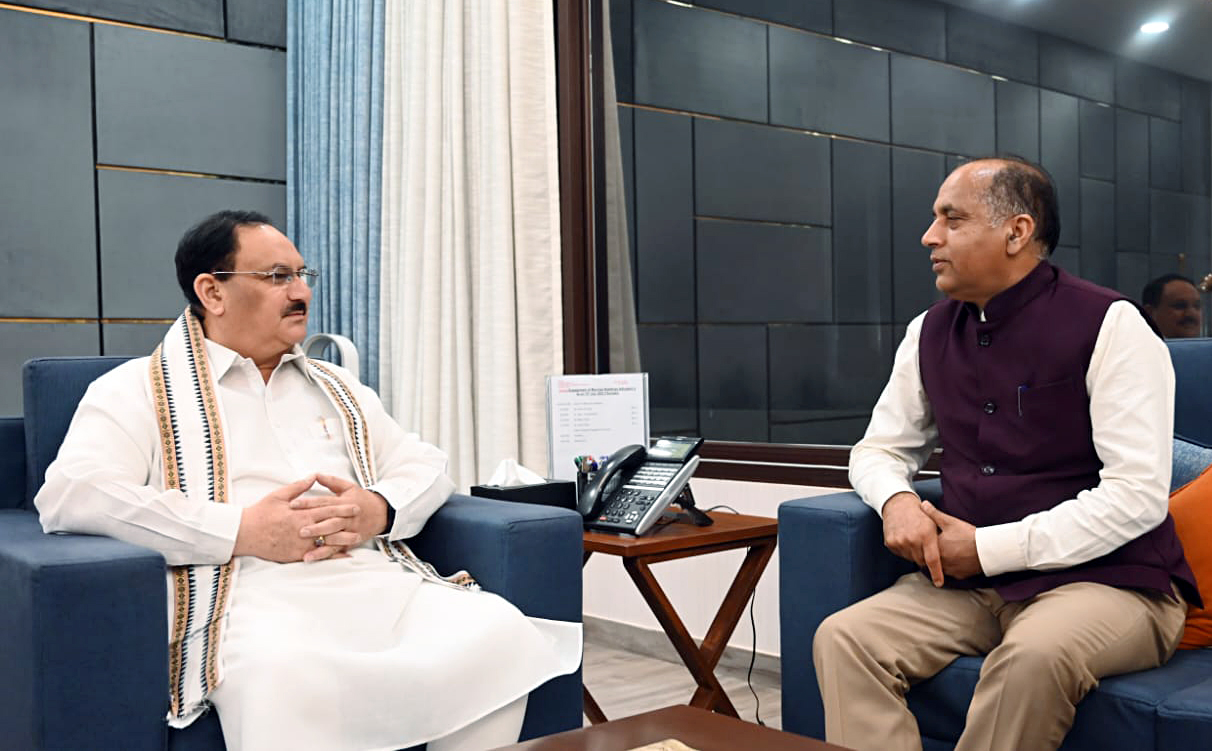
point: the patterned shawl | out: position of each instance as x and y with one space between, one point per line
192 442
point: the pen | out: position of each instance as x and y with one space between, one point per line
1021 389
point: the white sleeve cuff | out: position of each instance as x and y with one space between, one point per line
881 491
220 527
999 549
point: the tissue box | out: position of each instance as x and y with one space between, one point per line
561 493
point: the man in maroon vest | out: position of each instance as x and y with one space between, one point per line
1051 551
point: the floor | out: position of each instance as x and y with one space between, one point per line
624 683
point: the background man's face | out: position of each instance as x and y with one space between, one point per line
967 253
1177 314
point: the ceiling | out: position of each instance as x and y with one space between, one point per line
1113 25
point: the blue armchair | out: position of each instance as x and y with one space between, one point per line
831 554
83 637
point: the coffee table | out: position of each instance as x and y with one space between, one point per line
698 728
682 540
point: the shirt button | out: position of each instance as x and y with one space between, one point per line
990 407
984 340
987 469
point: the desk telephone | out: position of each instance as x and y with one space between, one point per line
635 486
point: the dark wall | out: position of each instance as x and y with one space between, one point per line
114 141
781 161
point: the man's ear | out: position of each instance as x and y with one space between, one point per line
1020 233
210 293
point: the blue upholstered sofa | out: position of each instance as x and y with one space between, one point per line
83 653
831 554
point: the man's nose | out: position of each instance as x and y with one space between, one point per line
930 237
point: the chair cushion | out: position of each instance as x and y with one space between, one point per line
1120 713
1190 458
1191 507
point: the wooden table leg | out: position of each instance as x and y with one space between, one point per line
683 642
592 710
730 612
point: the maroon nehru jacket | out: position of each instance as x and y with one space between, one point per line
1013 414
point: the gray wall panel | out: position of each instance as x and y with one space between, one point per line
1097 139
621 32
1067 258
862 232
667 354
195 16
664 217
1147 89
142 218
1178 223
1131 181
828 367
916 176
979 42
814 16
813 83
187 104
1165 155
1018 120
46 191
912 26
1058 151
732 382
758 172
688 59
1075 69
752 272
1098 232
935 106
627 147
1195 139
133 339
46 200
1132 273
22 341
258 21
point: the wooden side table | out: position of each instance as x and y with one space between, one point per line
683 540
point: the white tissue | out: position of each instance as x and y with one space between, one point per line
509 473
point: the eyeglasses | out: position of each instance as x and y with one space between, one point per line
279 277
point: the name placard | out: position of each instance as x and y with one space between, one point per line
593 415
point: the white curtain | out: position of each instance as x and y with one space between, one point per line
470 314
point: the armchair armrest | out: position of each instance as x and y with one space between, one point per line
83 646
831 554
528 554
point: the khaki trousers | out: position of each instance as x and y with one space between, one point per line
1044 655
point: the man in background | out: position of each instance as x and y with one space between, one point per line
1172 301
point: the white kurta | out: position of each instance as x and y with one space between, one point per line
351 653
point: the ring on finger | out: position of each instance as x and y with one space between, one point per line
319 541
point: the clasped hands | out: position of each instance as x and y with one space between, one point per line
285 525
914 529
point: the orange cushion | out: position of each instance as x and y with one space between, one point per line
1191 507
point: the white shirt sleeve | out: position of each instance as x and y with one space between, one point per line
411 473
1130 381
101 482
901 434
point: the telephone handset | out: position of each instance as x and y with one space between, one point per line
635 486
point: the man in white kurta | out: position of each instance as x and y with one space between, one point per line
327 643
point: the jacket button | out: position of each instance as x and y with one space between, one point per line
984 340
990 407
987 469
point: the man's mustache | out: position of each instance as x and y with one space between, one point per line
297 307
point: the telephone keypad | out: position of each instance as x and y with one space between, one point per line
629 503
